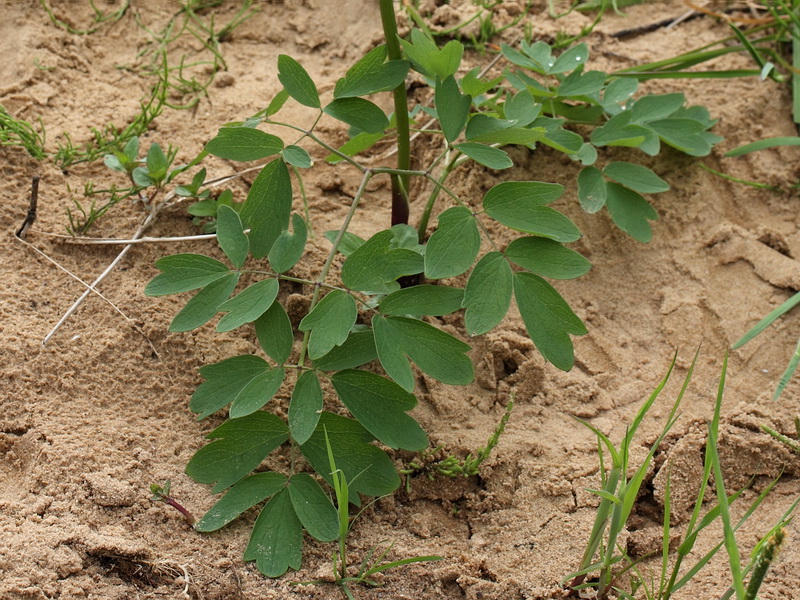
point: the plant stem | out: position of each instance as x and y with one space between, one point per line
400 207
426 213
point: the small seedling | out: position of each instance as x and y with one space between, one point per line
792 444
161 494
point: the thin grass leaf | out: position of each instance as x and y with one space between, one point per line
769 319
788 373
770 142
400 563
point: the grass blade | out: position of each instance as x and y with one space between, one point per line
774 314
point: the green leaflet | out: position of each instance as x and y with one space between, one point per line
452 108
617 94
268 206
435 300
305 407
313 507
375 265
244 495
592 191
547 258
683 134
297 82
371 74
289 247
231 236
494 158
329 322
654 107
350 241
521 109
520 205
452 248
487 296
548 319
248 304
429 59
257 393
630 212
522 136
368 469
275 334
579 83
435 352
636 177
297 157
359 113
223 383
357 350
380 405
183 273
570 59
205 304
244 144
276 543
239 446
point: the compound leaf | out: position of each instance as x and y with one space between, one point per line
547 258
380 405
231 236
258 391
276 543
636 177
358 349
305 407
435 300
239 446
487 296
452 248
548 319
183 273
244 495
205 304
435 352
289 247
359 113
244 144
268 206
630 212
248 305
313 507
223 383
329 322
368 469
494 158
275 334
297 81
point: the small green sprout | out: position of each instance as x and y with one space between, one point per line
161 494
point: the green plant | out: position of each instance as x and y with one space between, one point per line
379 310
793 445
161 494
18 132
369 566
610 561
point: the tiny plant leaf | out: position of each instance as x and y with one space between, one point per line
636 177
592 191
239 446
183 273
313 507
487 296
380 405
244 144
452 107
359 113
630 212
275 334
494 158
357 350
297 81
329 322
452 248
248 305
305 407
375 265
244 495
231 237
289 247
435 300
372 74
276 543
224 381
435 352
205 304
257 392
547 258
297 157
268 207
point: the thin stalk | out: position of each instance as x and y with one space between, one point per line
400 207
426 213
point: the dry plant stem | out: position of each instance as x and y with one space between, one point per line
139 233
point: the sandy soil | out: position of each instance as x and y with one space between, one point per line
90 420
